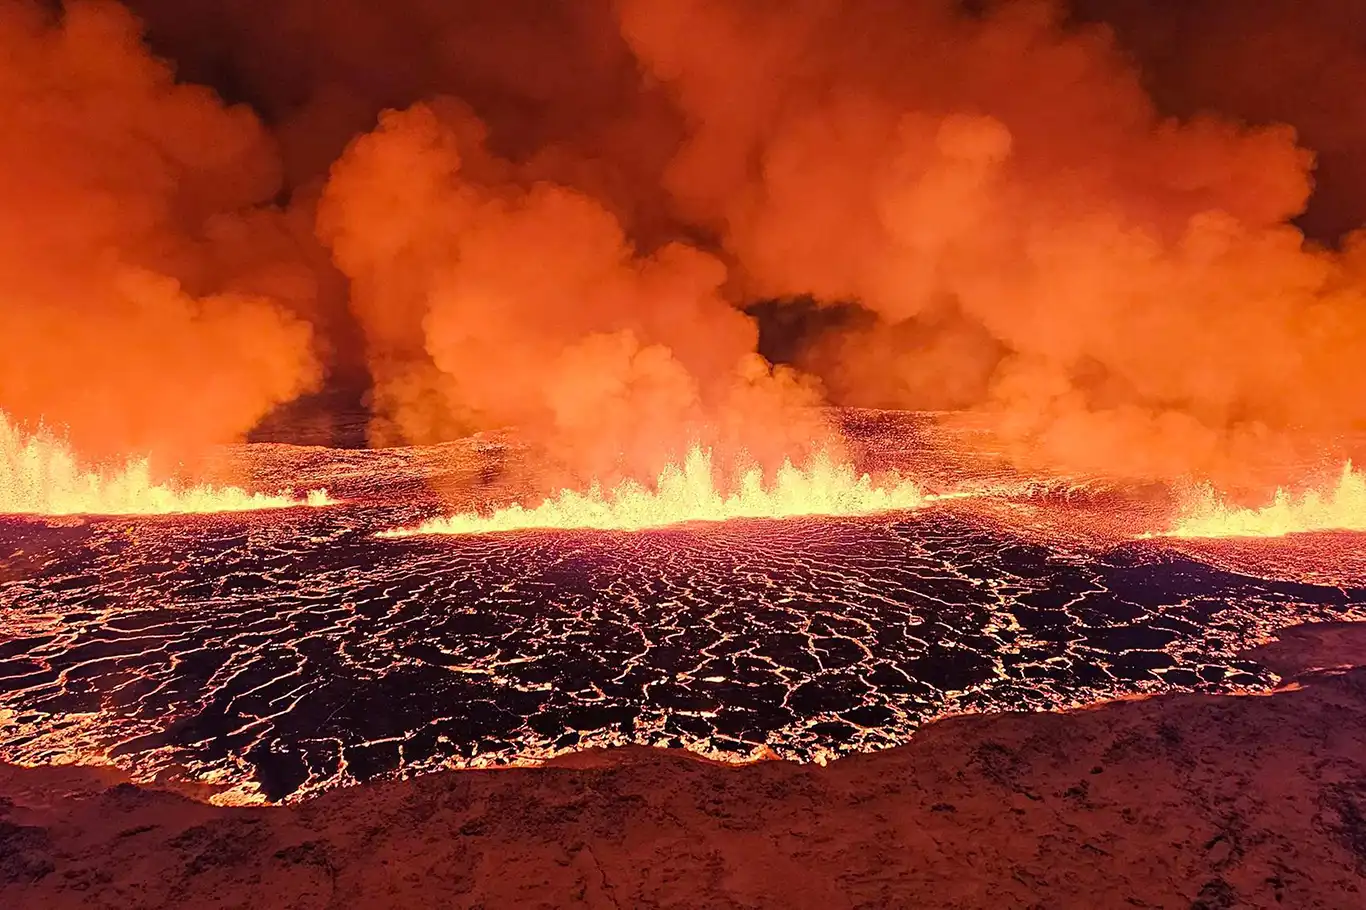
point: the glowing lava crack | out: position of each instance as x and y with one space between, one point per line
290 657
690 494
39 475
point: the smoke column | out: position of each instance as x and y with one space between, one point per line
490 299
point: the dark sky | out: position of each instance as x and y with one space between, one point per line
1301 62
539 70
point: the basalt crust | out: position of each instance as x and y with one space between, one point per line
1172 801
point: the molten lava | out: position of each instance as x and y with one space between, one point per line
1340 508
40 475
690 493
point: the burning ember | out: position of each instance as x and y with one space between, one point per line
1341 508
690 493
40 475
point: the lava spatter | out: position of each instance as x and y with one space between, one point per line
691 493
1337 507
41 475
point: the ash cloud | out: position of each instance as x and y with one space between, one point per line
554 215
1301 62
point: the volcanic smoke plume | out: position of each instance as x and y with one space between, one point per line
1121 290
488 299
150 303
562 233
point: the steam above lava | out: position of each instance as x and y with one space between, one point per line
488 299
503 226
151 300
1119 289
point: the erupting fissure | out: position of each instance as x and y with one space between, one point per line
40 475
1339 508
690 493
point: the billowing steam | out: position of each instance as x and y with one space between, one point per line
560 233
147 300
1122 291
489 300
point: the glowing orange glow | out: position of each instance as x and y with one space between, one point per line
690 493
40 475
1340 508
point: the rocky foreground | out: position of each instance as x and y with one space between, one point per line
1176 801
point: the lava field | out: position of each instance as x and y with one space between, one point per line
275 654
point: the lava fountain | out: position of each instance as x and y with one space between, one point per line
1338 508
40 475
690 493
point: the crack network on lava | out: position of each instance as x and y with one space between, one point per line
273 665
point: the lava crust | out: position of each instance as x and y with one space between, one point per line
274 655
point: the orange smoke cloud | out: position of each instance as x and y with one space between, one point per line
1029 236
1120 290
146 300
1290 61
489 299
553 80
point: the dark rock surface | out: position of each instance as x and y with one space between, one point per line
1181 800
288 653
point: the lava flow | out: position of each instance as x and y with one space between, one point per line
1341 508
690 493
40 475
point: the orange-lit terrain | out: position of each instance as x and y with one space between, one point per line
1265 790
